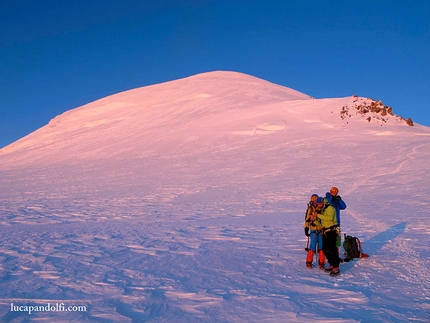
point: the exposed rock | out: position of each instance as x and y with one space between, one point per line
377 108
410 122
390 111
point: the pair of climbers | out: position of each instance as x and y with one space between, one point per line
322 227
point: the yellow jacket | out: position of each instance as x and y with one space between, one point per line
327 216
308 221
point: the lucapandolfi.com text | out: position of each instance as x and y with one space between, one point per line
57 307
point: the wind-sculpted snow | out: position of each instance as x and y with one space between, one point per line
185 201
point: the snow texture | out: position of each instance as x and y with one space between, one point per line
184 202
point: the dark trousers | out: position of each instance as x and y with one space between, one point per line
330 249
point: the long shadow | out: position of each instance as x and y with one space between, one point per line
381 239
372 246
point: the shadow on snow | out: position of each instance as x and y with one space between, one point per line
381 239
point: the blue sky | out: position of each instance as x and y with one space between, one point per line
58 55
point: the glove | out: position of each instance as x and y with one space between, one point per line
307 232
338 198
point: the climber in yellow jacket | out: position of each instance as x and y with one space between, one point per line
315 235
325 216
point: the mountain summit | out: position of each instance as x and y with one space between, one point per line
211 109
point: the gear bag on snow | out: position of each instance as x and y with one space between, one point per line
353 249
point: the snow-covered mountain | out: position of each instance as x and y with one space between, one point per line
211 106
133 123
184 202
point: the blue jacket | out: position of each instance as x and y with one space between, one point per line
338 204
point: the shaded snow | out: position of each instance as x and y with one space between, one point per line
184 202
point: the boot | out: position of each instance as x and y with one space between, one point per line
335 272
309 258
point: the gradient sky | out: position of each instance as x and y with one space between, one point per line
59 55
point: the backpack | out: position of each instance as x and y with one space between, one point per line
352 248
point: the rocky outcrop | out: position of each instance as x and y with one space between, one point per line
371 109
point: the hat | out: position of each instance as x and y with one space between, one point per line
334 191
320 200
314 198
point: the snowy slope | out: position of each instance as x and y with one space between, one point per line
138 118
184 202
